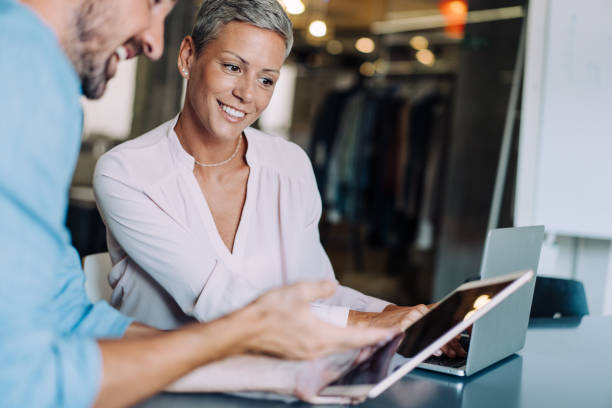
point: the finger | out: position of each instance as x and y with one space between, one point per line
311 291
410 318
453 349
406 322
415 315
455 344
423 309
459 349
449 351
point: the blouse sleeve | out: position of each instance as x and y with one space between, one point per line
316 261
169 252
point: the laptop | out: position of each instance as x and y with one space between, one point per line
502 332
451 316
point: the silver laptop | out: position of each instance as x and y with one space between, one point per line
501 332
451 316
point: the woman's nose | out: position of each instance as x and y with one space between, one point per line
244 89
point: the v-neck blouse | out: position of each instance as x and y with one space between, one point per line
170 265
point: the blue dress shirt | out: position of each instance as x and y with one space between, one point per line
48 353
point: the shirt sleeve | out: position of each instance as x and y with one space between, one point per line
41 368
80 316
169 252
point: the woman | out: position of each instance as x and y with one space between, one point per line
205 213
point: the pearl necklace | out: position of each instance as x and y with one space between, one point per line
221 163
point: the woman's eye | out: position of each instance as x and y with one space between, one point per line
232 67
266 81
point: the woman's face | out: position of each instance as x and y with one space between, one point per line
232 80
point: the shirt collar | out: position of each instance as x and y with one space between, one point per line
185 159
176 149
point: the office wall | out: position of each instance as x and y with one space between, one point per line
564 165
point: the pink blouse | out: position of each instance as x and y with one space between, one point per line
170 265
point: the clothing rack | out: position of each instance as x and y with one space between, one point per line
368 145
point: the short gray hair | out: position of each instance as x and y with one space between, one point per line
266 14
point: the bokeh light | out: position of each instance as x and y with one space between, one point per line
317 28
365 45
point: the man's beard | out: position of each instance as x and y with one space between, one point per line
85 44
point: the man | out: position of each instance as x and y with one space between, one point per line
56 348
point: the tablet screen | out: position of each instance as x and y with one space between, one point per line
454 309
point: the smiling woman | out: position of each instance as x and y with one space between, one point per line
205 213
230 83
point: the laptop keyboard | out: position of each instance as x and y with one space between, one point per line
446 361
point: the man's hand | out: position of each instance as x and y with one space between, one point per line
285 327
403 317
279 324
393 316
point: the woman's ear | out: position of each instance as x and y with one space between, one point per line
186 56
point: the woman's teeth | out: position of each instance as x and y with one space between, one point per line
232 112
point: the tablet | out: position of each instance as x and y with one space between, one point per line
451 316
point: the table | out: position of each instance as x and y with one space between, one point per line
565 363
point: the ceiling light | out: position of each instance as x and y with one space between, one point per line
365 45
334 47
426 57
318 28
293 6
435 20
456 8
418 42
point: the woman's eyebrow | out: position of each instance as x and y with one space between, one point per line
245 62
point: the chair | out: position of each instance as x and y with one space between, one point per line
97 267
558 297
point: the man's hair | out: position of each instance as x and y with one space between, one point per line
266 14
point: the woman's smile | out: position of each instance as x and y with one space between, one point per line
232 114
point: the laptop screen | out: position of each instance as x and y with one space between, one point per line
439 320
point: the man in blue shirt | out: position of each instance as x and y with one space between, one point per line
56 348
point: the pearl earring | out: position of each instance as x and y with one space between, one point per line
185 72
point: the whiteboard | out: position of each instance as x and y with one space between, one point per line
564 178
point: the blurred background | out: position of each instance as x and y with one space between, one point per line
403 107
